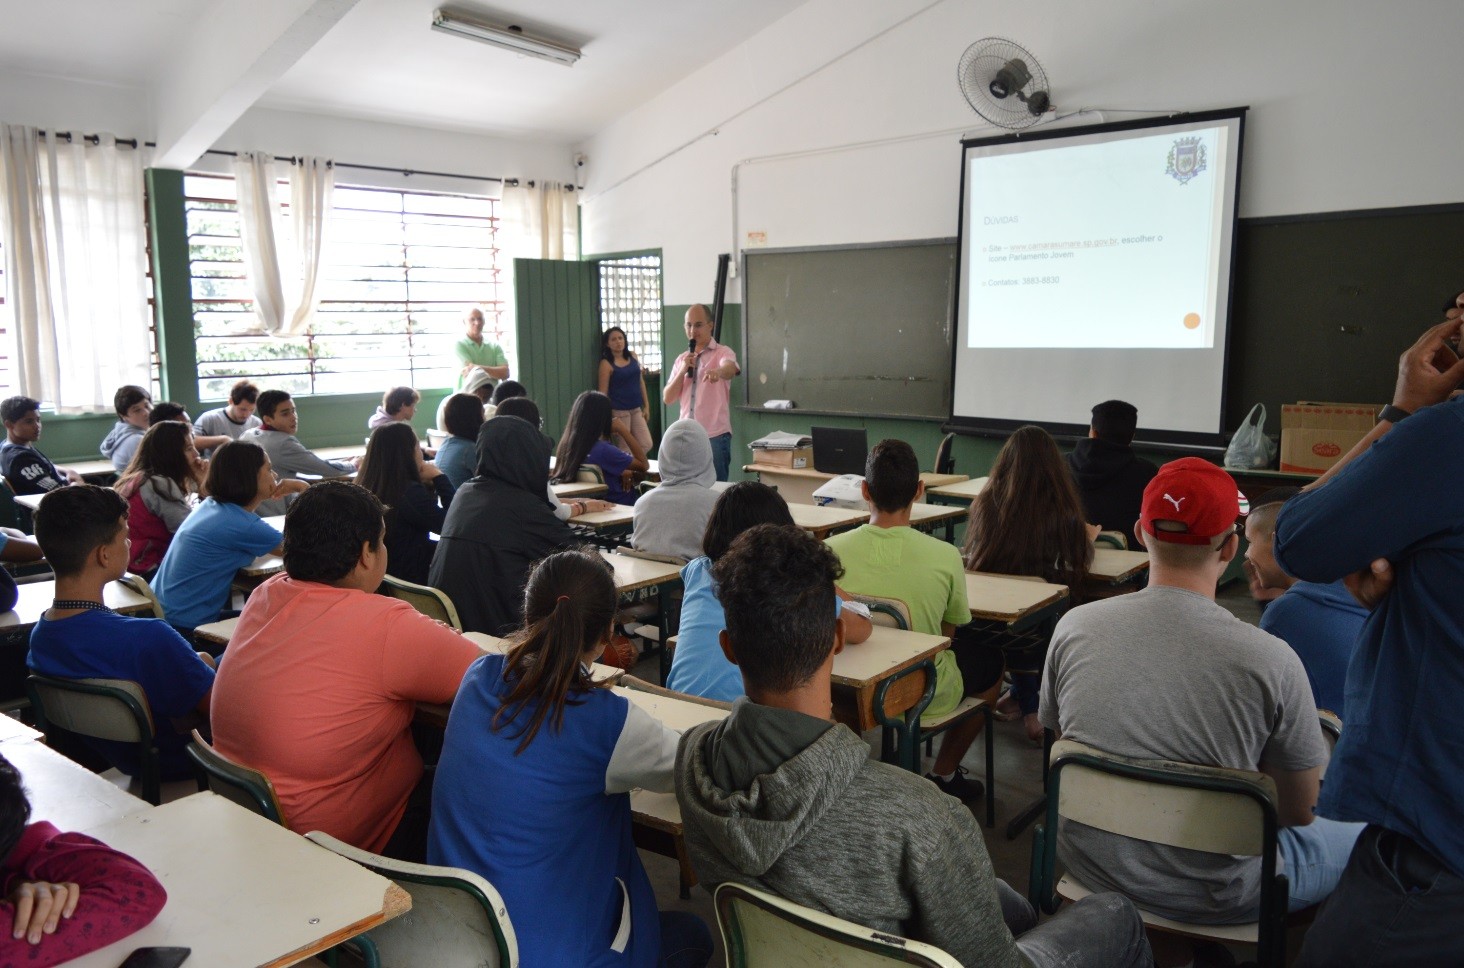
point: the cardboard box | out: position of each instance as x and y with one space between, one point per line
1314 436
799 459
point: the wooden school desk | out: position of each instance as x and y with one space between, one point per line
574 489
242 890
35 597
1017 603
656 817
1118 567
616 521
797 485
824 521
962 492
61 790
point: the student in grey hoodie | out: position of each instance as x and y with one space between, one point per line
671 518
778 797
134 406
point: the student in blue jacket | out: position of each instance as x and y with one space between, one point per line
533 786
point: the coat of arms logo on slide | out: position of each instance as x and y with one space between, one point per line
1186 159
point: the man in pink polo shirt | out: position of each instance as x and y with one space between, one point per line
701 380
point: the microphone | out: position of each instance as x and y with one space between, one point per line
691 361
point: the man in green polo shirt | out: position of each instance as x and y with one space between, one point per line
474 354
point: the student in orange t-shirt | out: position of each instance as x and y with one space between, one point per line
322 677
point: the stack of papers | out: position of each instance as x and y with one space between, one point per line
781 440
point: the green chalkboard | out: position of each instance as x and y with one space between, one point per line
1325 303
851 329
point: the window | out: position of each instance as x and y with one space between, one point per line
399 269
630 297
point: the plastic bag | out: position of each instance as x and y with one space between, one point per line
1250 448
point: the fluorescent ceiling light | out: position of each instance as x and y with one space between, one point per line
509 38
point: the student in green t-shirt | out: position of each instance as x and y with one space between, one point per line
474 354
890 559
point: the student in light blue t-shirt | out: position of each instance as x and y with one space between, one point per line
222 535
699 666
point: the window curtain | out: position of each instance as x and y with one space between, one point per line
536 220
540 220
76 262
282 249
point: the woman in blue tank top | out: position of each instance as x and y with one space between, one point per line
622 380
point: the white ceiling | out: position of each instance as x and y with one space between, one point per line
382 61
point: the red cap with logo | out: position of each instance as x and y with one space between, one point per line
1190 501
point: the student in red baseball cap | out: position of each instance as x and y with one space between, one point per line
1215 691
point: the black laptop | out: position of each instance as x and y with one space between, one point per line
839 451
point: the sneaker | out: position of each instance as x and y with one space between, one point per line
959 786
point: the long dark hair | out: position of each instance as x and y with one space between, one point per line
1029 519
569 603
606 353
740 507
589 421
390 463
160 453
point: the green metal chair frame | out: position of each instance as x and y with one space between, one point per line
247 787
1254 788
430 601
112 709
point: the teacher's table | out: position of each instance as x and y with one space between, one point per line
242 890
656 817
798 484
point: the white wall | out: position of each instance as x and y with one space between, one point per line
1354 105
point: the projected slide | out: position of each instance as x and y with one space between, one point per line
1095 265
1110 244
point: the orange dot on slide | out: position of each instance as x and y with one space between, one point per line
1191 320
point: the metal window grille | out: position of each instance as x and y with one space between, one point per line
630 297
399 269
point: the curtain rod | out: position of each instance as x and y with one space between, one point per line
408 172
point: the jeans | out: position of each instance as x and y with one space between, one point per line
1100 931
1315 856
722 455
686 942
1396 904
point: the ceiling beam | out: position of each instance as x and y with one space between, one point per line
224 62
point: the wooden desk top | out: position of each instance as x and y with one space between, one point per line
885 652
343 452
32 501
679 714
217 859
1003 599
930 478
90 468
218 633
963 490
13 730
925 514
35 597
575 489
633 573
821 521
619 516
1113 565
62 791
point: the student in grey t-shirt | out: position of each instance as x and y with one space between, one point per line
1166 673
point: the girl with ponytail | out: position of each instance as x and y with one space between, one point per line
533 786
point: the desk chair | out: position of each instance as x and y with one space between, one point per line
762 930
945 460
1112 539
247 787
110 709
425 599
139 584
590 474
1205 808
895 613
457 917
